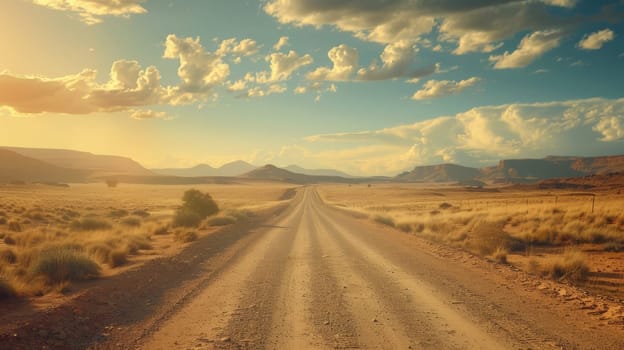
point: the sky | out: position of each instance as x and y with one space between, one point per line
370 87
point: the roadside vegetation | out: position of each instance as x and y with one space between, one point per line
555 228
53 237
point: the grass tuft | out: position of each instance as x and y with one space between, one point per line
60 264
385 220
500 255
15 226
117 257
90 224
131 221
7 256
185 236
186 218
572 267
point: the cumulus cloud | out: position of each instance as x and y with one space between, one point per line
283 66
396 59
200 71
473 25
441 88
283 41
530 48
129 85
344 63
594 41
92 11
484 134
245 47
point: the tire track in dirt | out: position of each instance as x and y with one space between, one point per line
203 320
373 326
431 323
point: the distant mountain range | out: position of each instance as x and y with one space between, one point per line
517 170
57 165
16 167
273 173
230 169
94 164
240 167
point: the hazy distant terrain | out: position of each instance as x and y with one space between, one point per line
517 170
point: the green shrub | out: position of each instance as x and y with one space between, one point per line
221 221
60 264
187 218
200 203
90 224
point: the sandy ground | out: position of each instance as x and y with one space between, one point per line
313 277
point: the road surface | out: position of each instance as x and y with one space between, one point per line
317 278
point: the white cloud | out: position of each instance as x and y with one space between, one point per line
283 41
143 114
595 41
485 133
283 66
259 91
92 11
530 48
474 25
200 71
395 58
129 86
245 47
345 62
441 88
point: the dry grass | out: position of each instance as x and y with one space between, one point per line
70 234
571 266
493 223
185 236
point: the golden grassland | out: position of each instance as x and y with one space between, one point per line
552 233
52 236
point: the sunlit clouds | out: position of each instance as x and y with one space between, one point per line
93 11
595 41
369 87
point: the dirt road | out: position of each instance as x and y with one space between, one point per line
309 276
316 278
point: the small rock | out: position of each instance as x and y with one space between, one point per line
326 323
375 319
226 339
563 292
